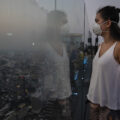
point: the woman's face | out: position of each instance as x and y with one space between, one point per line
99 19
105 25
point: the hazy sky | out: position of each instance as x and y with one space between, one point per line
22 21
73 8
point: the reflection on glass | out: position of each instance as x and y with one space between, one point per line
34 64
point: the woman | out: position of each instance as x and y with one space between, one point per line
103 92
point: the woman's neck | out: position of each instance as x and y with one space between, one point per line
108 39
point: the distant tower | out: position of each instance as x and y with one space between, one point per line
55 4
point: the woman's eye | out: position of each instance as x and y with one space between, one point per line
96 20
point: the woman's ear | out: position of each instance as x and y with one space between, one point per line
108 24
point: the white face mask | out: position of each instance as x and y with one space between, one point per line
97 29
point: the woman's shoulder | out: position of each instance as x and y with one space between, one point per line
117 52
118 46
118 43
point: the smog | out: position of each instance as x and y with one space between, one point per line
26 61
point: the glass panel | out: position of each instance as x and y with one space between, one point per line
42 61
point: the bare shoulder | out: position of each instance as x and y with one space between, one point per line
117 52
118 47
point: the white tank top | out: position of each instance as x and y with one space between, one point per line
105 80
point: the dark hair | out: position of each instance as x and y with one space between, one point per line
111 13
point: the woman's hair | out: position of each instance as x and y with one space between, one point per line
111 13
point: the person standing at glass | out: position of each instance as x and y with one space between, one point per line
104 87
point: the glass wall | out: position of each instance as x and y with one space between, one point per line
42 61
